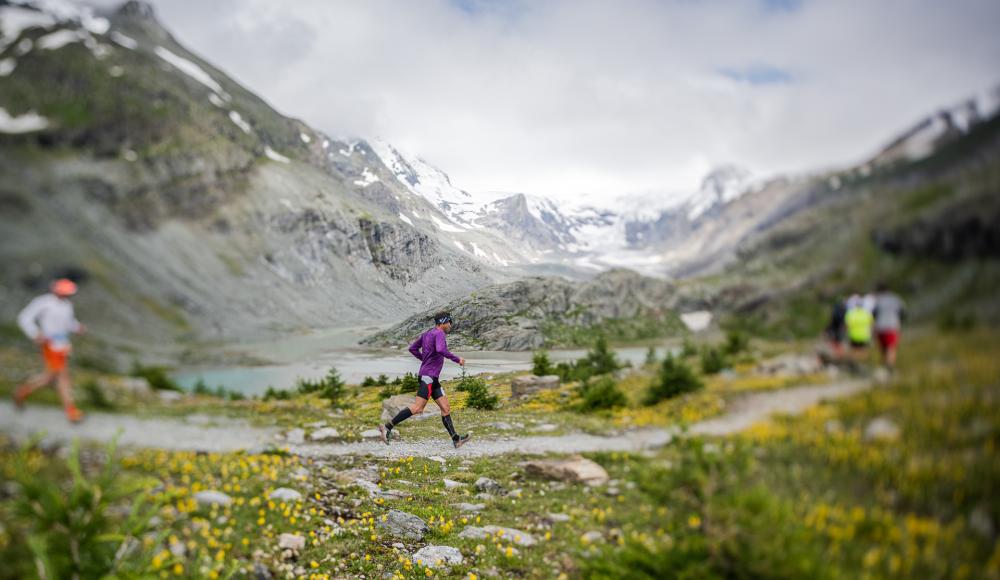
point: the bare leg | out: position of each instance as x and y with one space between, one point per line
443 404
65 386
33 384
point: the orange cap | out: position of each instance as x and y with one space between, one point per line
64 287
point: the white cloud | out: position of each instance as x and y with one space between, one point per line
563 97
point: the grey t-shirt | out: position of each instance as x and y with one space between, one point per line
888 311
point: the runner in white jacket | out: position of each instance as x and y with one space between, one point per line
49 320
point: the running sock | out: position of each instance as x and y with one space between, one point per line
403 415
446 419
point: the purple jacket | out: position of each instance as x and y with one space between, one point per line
431 348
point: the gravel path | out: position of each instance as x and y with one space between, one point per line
203 433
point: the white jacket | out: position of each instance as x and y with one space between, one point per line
51 317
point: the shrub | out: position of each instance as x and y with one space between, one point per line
676 378
307 386
541 364
409 384
66 523
600 394
387 391
272 394
200 388
95 397
333 388
737 341
688 348
480 396
600 359
368 382
235 396
382 380
651 357
156 377
712 360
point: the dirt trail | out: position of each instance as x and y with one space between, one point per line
202 433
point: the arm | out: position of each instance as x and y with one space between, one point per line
28 319
415 347
441 345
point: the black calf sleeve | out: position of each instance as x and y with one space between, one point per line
403 415
446 419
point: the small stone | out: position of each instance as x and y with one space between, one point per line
404 525
371 434
485 496
592 536
516 492
293 542
211 497
316 425
178 549
471 507
881 429
438 459
296 436
261 572
398 546
488 485
981 522
285 494
562 518
575 469
324 434
438 557
546 427
452 484
501 533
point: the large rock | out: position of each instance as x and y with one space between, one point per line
576 469
487 485
285 494
396 403
404 525
211 497
437 557
530 384
500 533
324 434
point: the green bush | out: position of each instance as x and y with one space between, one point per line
480 396
64 524
387 391
600 359
650 357
688 348
272 394
676 378
737 341
235 396
541 364
382 380
333 388
369 382
200 388
712 360
95 397
156 377
600 394
409 384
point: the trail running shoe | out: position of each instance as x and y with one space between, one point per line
384 433
74 415
461 440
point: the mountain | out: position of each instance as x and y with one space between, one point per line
550 311
191 208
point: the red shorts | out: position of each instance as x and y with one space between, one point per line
55 360
888 339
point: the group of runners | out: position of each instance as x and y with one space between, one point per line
859 320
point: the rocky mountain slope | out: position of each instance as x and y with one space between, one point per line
552 311
190 207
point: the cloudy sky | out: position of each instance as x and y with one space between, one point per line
600 97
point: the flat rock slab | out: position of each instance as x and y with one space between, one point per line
500 533
530 384
576 469
404 525
438 557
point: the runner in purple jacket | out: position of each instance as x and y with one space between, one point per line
431 348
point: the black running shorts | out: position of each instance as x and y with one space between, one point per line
430 387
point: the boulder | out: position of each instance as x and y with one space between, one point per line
530 384
296 436
471 507
211 497
452 484
576 469
506 534
324 434
404 525
292 542
437 557
285 494
396 403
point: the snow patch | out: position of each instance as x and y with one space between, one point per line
58 39
326 143
237 119
7 66
367 178
405 219
500 260
216 100
191 69
275 156
446 227
25 123
305 138
460 246
24 47
697 321
124 41
15 20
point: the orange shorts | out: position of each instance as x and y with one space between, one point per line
55 360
